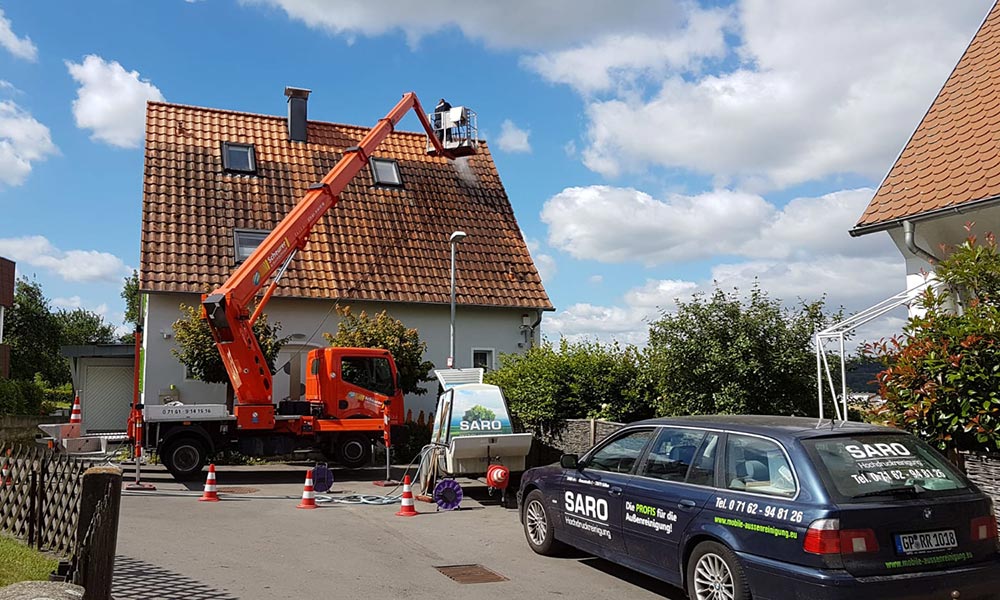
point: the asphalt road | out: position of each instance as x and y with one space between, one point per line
249 546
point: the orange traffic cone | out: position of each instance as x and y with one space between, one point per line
308 494
6 479
76 416
406 508
210 494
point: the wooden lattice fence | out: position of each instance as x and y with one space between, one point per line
40 500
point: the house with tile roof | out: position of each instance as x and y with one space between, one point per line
217 181
948 174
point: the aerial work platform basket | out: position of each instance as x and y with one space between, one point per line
458 130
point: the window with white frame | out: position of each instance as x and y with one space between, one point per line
246 241
482 358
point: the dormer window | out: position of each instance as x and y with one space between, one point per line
385 171
239 158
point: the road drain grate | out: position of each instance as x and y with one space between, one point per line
471 574
237 490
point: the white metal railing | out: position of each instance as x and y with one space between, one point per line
838 332
457 128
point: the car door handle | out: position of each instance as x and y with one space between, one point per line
687 504
615 491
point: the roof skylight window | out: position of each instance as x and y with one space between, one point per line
239 158
385 171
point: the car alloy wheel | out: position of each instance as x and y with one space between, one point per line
537 524
713 579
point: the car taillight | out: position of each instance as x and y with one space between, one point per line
984 528
825 536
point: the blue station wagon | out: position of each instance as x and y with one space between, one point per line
771 508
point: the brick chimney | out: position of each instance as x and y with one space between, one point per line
297 119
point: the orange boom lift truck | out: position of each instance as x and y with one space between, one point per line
352 394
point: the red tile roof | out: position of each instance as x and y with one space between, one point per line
377 244
953 157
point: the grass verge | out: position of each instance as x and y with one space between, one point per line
20 563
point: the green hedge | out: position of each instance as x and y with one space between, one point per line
20 397
60 397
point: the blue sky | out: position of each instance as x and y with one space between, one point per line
649 148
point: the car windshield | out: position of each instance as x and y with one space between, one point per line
882 465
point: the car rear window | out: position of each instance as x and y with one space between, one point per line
880 465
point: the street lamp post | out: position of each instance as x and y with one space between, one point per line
456 237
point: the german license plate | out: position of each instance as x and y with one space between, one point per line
928 541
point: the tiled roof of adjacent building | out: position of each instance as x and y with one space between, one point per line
953 157
378 244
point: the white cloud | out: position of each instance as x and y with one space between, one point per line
596 279
513 138
545 263
111 101
623 224
19 47
817 89
71 303
510 24
611 60
617 225
819 226
596 323
23 141
837 278
71 265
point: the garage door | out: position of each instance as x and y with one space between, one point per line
106 397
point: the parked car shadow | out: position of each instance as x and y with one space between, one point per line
635 578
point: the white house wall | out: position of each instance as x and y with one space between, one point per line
930 234
305 321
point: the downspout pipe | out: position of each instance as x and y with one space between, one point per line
909 230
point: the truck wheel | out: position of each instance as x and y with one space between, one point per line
184 458
354 450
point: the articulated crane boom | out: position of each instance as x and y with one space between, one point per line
227 309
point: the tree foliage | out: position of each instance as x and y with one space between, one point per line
130 294
383 331
34 334
197 351
19 397
81 327
549 384
942 377
719 353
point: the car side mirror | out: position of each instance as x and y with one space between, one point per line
569 461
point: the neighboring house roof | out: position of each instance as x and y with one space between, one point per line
953 159
98 351
378 244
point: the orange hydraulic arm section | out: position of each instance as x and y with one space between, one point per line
227 309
